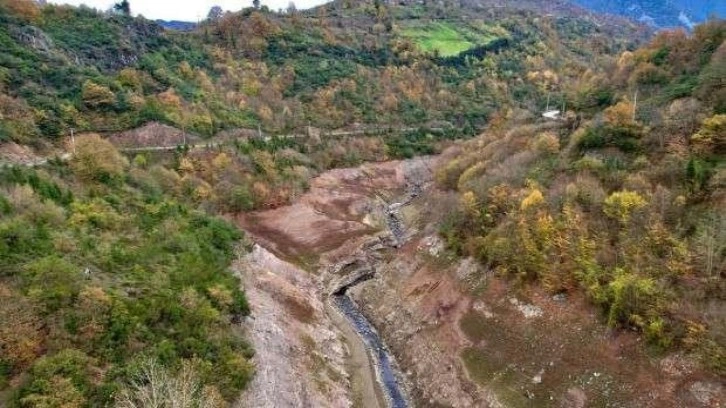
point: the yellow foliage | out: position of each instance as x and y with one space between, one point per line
621 205
186 165
221 295
534 199
97 96
222 161
711 138
470 204
97 159
547 143
130 77
620 114
186 70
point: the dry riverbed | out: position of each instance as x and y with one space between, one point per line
461 336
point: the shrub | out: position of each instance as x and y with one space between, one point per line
711 138
632 299
96 159
547 143
52 281
60 380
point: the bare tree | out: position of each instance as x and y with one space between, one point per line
156 387
711 243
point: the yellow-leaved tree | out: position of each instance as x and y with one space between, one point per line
711 138
620 205
96 159
97 96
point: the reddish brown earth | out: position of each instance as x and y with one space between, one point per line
152 134
462 336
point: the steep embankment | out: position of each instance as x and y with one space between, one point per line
461 337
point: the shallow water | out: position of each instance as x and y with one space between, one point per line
384 366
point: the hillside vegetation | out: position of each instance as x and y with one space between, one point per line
104 273
115 268
622 201
340 64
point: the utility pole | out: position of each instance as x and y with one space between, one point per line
73 141
635 104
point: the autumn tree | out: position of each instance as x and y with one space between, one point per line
24 9
20 332
621 114
621 205
97 96
711 138
96 159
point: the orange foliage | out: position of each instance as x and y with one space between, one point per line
24 9
20 329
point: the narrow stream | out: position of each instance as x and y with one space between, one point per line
383 362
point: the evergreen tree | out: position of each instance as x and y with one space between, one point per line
123 7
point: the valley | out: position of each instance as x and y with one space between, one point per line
363 204
461 338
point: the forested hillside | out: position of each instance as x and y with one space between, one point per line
340 64
623 200
116 268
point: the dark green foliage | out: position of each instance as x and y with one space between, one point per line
43 187
624 138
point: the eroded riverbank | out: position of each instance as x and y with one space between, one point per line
461 335
323 231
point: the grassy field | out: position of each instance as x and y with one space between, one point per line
446 38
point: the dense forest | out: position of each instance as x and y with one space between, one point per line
117 267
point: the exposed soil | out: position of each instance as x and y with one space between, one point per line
463 337
152 134
299 355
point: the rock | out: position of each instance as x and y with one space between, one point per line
537 379
482 308
529 311
574 398
706 393
560 297
466 268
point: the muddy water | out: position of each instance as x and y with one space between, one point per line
386 372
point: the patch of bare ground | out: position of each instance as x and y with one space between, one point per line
152 134
462 337
300 358
332 212
506 347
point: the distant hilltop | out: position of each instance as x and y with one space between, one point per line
177 25
660 13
